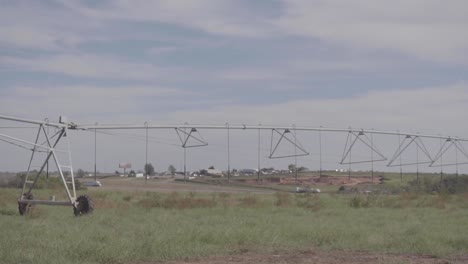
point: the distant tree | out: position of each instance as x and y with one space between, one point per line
211 167
291 167
203 172
132 173
117 172
149 169
302 169
171 169
234 170
80 173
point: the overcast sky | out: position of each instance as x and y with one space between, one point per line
391 65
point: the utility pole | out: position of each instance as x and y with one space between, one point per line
95 153
47 169
295 152
146 156
185 167
320 151
228 154
258 158
372 157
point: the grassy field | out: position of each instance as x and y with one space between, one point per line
129 226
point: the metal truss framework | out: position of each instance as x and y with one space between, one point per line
356 138
404 145
185 137
294 142
191 139
190 136
49 145
363 138
448 144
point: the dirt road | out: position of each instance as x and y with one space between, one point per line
169 185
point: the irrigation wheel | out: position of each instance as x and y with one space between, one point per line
85 205
24 208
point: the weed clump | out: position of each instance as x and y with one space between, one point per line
7 211
227 200
249 201
359 201
449 185
127 198
309 201
283 199
175 201
36 212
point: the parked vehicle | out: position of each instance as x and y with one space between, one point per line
93 184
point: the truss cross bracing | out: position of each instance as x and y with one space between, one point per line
449 144
360 137
404 146
285 137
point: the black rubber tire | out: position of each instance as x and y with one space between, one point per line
84 206
24 208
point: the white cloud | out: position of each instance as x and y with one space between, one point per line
36 26
213 16
430 109
432 29
294 69
81 101
161 50
252 74
86 65
20 36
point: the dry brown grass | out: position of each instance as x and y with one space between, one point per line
176 201
36 212
249 201
283 199
309 201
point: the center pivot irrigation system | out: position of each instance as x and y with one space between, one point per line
55 146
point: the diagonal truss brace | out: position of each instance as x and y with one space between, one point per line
185 136
48 146
350 144
405 143
448 144
294 142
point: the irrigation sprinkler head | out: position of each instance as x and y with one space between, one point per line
63 120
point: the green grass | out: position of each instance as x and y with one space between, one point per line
148 226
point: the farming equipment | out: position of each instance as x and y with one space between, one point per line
54 147
48 147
